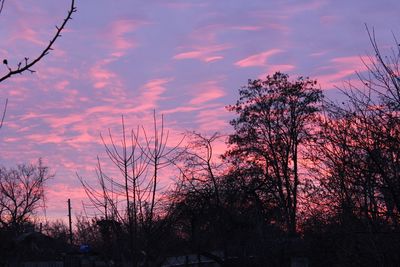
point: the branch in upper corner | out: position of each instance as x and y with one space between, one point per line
26 65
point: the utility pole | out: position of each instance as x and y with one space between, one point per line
70 221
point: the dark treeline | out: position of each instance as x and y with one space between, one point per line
302 177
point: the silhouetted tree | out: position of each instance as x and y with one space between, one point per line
274 120
56 229
219 213
355 167
138 160
197 198
21 193
360 141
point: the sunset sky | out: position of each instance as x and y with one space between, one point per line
186 59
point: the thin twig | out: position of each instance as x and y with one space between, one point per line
4 114
28 65
1 5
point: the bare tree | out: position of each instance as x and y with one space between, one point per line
200 167
57 229
21 193
200 177
131 199
355 163
198 198
367 130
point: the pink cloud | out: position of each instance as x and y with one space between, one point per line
83 138
278 27
353 61
247 28
214 58
100 75
118 33
12 140
213 119
257 60
24 129
45 138
282 28
72 130
18 92
57 123
32 115
341 69
318 54
329 81
119 29
152 91
61 85
328 20
209 91
58 194
206 35
27 34
203 45
26 24
310 5
180 109
206 53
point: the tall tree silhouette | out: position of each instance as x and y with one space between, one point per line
366 130
274 117
355 159
21 193
197 198
138 159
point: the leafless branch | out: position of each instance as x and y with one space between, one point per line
25 64
1 5
4 114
